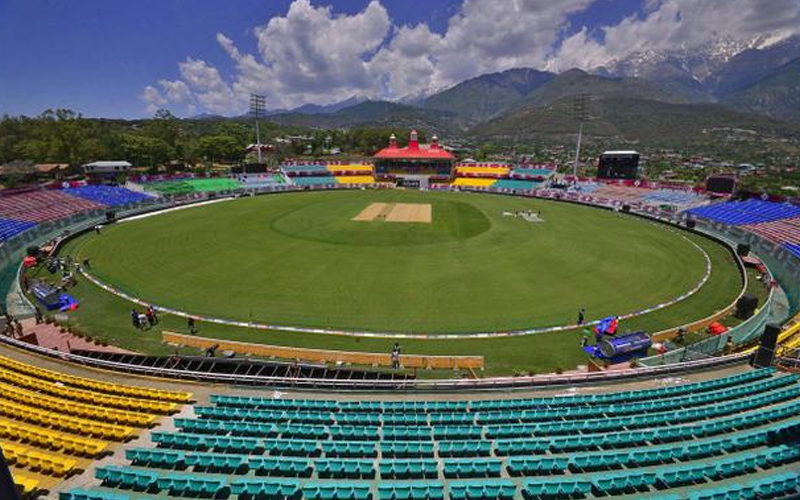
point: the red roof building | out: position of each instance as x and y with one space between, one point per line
414 159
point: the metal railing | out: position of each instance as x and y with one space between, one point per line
415 385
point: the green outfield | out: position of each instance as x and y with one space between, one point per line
300 259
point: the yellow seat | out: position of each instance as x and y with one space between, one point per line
95 385
473 182
25 484
355 179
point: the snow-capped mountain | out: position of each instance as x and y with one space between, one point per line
697 62
711 70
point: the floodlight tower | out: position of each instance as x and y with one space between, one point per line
258 108
580 107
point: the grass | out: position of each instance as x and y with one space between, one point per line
300 260
106 317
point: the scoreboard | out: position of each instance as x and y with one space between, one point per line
618 165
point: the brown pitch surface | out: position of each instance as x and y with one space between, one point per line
396 212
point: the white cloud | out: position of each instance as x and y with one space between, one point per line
177 91
682 24
153 99
313 54
208 87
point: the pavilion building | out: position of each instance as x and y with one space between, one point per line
415 164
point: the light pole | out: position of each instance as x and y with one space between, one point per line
579 110
258 107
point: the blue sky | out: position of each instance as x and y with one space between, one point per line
116 58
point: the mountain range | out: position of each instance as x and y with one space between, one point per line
669 96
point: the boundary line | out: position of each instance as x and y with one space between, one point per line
394 335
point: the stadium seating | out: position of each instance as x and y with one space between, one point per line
793 248
672 197
22 211
531 173
111 196
313 181
261 180
53 424
355 179
357 169
305 170
492 171
784 232
43 206
477 182
707 439
746 212
516 184
10 228
190 186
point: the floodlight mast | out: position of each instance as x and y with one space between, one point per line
580 107
258 107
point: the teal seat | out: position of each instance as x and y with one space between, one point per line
465 448
126 477
472 468
215 461
164 459
340 469
269 488
80 494
242 445
349 449
492 489
735 466
686 474
280 466
730 492
336 491
521 446
294 447
776 486
406 449
623 482
408 469
534 466
417 490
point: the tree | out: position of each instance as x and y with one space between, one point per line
140 150
219 147
164 126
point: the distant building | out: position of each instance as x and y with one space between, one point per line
413 164
102 171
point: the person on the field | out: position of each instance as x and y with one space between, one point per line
142 320
135 318
396 356
680 337
190 325
152 319
581 316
